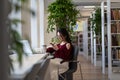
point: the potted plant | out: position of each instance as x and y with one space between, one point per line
61 14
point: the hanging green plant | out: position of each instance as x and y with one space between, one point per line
96 21
61 13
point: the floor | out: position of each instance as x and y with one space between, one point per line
89 71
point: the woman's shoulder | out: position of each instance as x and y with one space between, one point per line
68 45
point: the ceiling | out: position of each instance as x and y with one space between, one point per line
86 7
91 2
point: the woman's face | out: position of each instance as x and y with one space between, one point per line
60 36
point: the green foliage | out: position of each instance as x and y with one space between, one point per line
15 39
62 13
96 21
15 21
15 44
55 40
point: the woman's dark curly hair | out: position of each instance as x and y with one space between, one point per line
64 33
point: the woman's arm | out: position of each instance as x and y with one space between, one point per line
64 52
50 50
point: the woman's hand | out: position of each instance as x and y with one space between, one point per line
55 47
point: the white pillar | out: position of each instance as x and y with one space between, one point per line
34 31
94 43
103 42
4 40
85 38
109 38
41 22
91 32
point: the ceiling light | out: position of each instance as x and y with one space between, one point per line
89 6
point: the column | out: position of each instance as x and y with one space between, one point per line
34 25
42 41
85 38
109 38
94 43
91 32
103 42
3 40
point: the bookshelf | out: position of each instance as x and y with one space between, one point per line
98 48
89 38
77 39
115 37
110 19
80 40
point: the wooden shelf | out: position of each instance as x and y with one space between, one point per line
115 46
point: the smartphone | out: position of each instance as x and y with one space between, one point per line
52 44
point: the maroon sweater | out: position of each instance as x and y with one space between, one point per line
62 52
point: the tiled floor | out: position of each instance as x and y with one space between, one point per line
89 71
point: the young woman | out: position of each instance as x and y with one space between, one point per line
61 52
